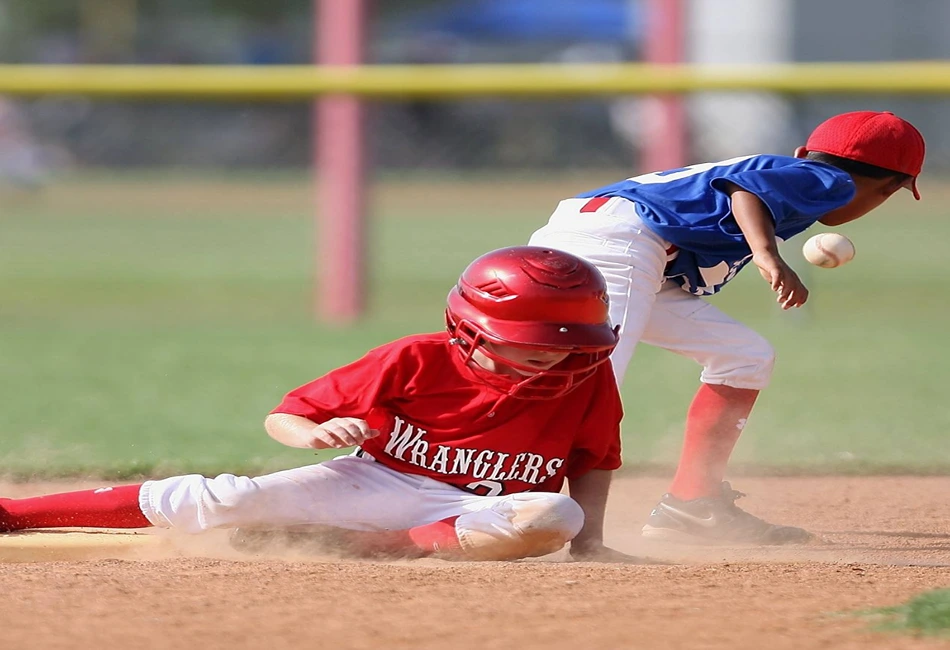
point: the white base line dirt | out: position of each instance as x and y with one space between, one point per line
77 544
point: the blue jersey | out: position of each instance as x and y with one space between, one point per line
689 208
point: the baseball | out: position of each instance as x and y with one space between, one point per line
828 250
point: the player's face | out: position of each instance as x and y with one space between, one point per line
869 194
525 362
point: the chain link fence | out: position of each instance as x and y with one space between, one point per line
48 137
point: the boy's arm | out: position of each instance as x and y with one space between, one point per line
755 222
590 491
298 431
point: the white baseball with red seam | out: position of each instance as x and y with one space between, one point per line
828 250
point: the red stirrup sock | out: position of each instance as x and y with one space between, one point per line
437 537
421 541
714 422
115 507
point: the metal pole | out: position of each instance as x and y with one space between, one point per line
339 168
665 135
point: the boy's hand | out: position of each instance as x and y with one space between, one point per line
783 280
601 553
341 432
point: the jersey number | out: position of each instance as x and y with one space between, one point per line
683 172
486 488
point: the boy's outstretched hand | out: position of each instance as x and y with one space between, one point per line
783 280
337 433
341 432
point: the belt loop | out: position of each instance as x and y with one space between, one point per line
595 203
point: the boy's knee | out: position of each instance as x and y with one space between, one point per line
226 493
194 503
547 513
747 366
520 526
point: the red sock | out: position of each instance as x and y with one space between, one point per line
420 541
437 536
713 425
115 507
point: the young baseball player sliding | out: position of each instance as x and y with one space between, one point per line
464 437
665 239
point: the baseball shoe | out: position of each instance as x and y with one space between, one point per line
716 520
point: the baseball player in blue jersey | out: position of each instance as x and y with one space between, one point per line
663 240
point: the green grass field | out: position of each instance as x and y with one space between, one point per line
148 324
926 614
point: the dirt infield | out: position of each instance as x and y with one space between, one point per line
883 540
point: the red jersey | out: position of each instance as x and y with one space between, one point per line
437 420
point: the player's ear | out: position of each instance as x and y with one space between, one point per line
800 152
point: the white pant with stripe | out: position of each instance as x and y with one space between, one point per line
357 493
649 308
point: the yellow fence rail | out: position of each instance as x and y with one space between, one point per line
276 83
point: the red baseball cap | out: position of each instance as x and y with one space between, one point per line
879 139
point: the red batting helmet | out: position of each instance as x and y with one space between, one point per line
534 298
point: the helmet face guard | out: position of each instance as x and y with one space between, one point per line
536 384
532 298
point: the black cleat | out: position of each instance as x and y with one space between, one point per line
716 520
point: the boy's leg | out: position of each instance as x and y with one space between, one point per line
110 507
354 502
348 492
610 235
448 523
714 422
529 524
435 538
512 527
737 363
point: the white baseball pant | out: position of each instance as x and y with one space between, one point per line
357 493
650 308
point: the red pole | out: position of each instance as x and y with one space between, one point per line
339 168
665 137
